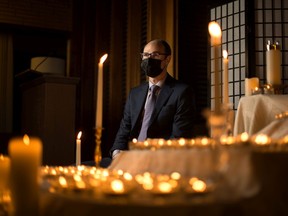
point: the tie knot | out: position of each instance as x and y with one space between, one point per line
154 89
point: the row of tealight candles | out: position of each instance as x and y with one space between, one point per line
104 182
257 140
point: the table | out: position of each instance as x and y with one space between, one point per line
271 200
257 111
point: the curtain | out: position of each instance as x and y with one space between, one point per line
6 83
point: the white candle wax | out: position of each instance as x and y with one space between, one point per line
250 85
273 67
4 173
26 159
216 33
99 105
225 78
78 149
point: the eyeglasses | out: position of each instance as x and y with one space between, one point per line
153 55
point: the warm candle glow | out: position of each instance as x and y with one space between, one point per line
78 149
117 186
79 135
197 184
26 139
103 58
225 78
99 105
225 54
165 187
262 139
215 33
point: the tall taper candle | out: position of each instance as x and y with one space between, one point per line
225 78
78 149
26 159
216 33
99 105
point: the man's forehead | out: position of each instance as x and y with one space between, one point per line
154 47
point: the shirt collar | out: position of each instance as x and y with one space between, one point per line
160 83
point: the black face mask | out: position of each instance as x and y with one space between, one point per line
151 67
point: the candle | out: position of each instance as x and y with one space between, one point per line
99 106
26 157
250 85
78 149
225 78
4 173
216 33
273 61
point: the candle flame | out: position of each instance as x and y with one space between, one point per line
103 58
225 54
26 139
214 29
79 135
117 186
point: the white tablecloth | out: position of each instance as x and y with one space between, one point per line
256 112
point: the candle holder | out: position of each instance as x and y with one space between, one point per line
218 122
97 153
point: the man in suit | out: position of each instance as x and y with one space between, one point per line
172 115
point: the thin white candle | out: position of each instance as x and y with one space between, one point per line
99 106
26 158
216 33
225 78
78 149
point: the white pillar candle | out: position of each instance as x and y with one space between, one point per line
99 105
250 85
4 173
78 149
26 159
273 64
225 78
216 33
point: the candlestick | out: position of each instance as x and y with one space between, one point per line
216 33
78 149
26 157
225 78
273 64
97 153
99 106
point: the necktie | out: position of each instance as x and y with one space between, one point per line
150 103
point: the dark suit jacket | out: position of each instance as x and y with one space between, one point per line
172 116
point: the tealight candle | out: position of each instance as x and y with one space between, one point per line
26 158
117 186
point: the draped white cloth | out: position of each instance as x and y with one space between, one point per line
256 112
